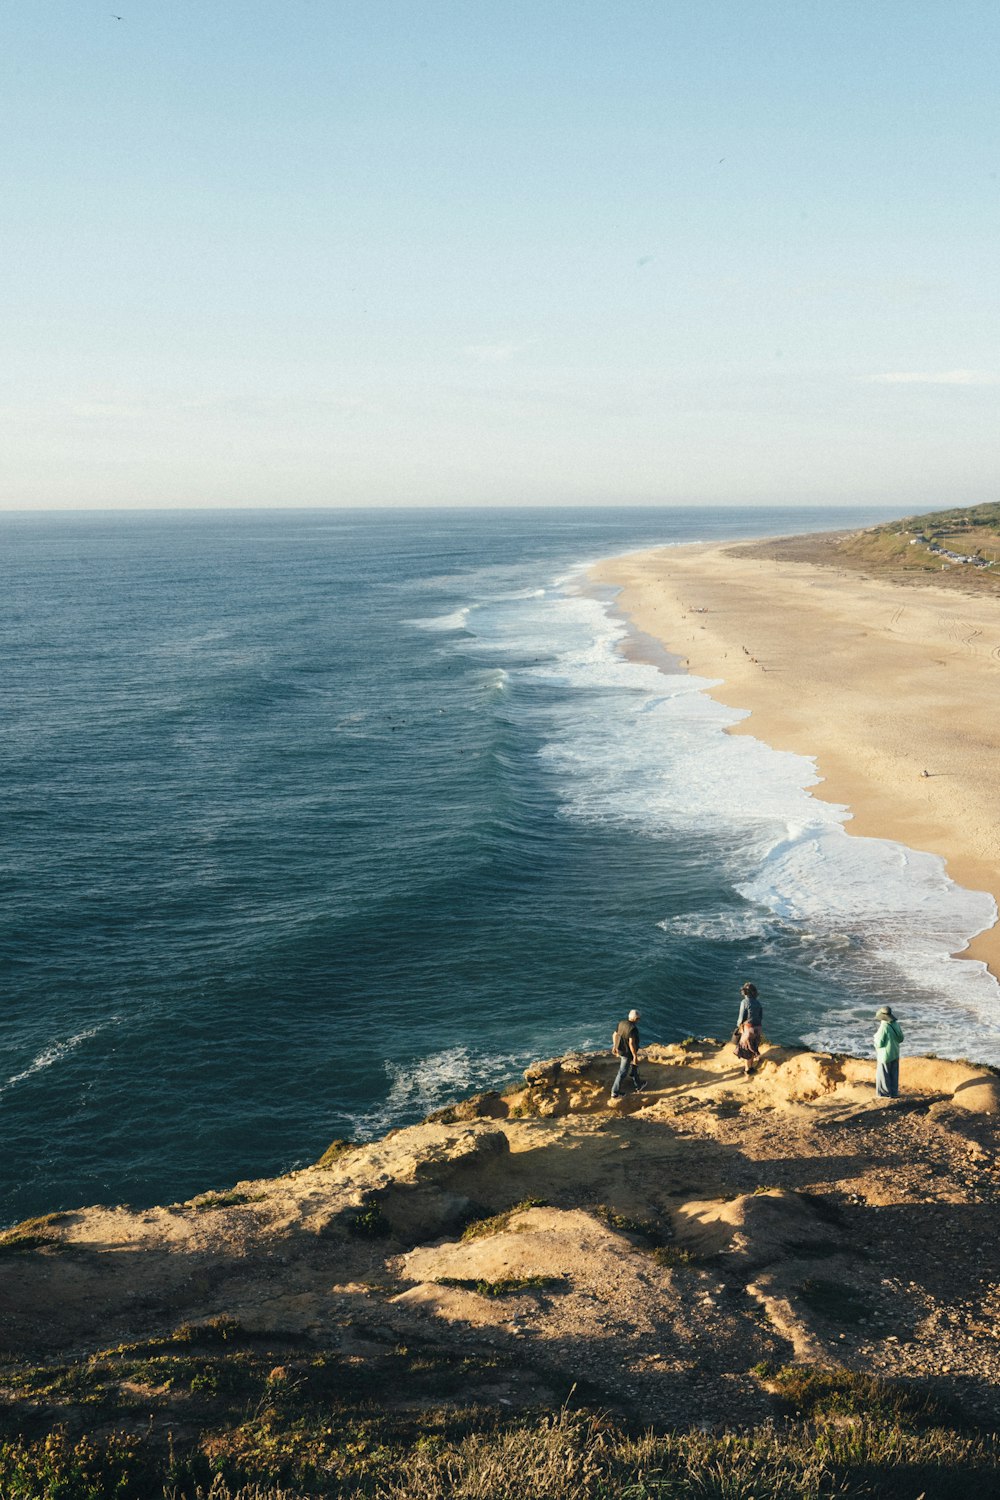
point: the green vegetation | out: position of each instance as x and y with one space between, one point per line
334 1152
15 1244
508 1287
497 1223
217 1411
573 1456
654 1235
36 1225
30 1234
959 518
220 1330
290 1446
369 1222
56 1468
920 544
671 1257
226 1200
805 1391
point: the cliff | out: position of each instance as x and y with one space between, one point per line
682 1261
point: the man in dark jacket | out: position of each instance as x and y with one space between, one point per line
625 1044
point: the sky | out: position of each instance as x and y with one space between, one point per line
398 252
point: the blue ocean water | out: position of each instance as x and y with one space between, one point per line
316 820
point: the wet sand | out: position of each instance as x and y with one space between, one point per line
878 680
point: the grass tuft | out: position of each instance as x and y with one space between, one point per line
654 1234
497 1223
311 1424
813 1393
335 1151
19 1244
672 1257
30 1234
369 1223
226 1200
507 1287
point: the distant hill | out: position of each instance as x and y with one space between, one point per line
958 520
956 548
963 539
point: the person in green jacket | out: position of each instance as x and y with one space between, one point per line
887 1040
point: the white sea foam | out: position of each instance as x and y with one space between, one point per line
444 1077
49 1056
457 619
640 747
724 926
418 1087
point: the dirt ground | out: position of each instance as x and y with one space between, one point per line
658 1254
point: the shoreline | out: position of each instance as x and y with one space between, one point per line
873 680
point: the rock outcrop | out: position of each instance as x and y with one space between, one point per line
658 1249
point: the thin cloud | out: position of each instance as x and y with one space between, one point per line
938 377
495 354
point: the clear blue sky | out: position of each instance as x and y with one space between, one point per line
419 251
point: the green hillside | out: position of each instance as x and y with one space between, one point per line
961 543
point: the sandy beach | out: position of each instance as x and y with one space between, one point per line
878 680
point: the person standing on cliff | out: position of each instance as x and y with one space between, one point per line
625 1044
748 1034
887 1040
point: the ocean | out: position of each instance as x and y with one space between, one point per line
316 820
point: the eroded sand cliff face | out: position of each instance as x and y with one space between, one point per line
654 1252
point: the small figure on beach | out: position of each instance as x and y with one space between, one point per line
625 1045
748 1033
887 1040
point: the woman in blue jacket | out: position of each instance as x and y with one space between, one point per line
887 1040
748 1033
